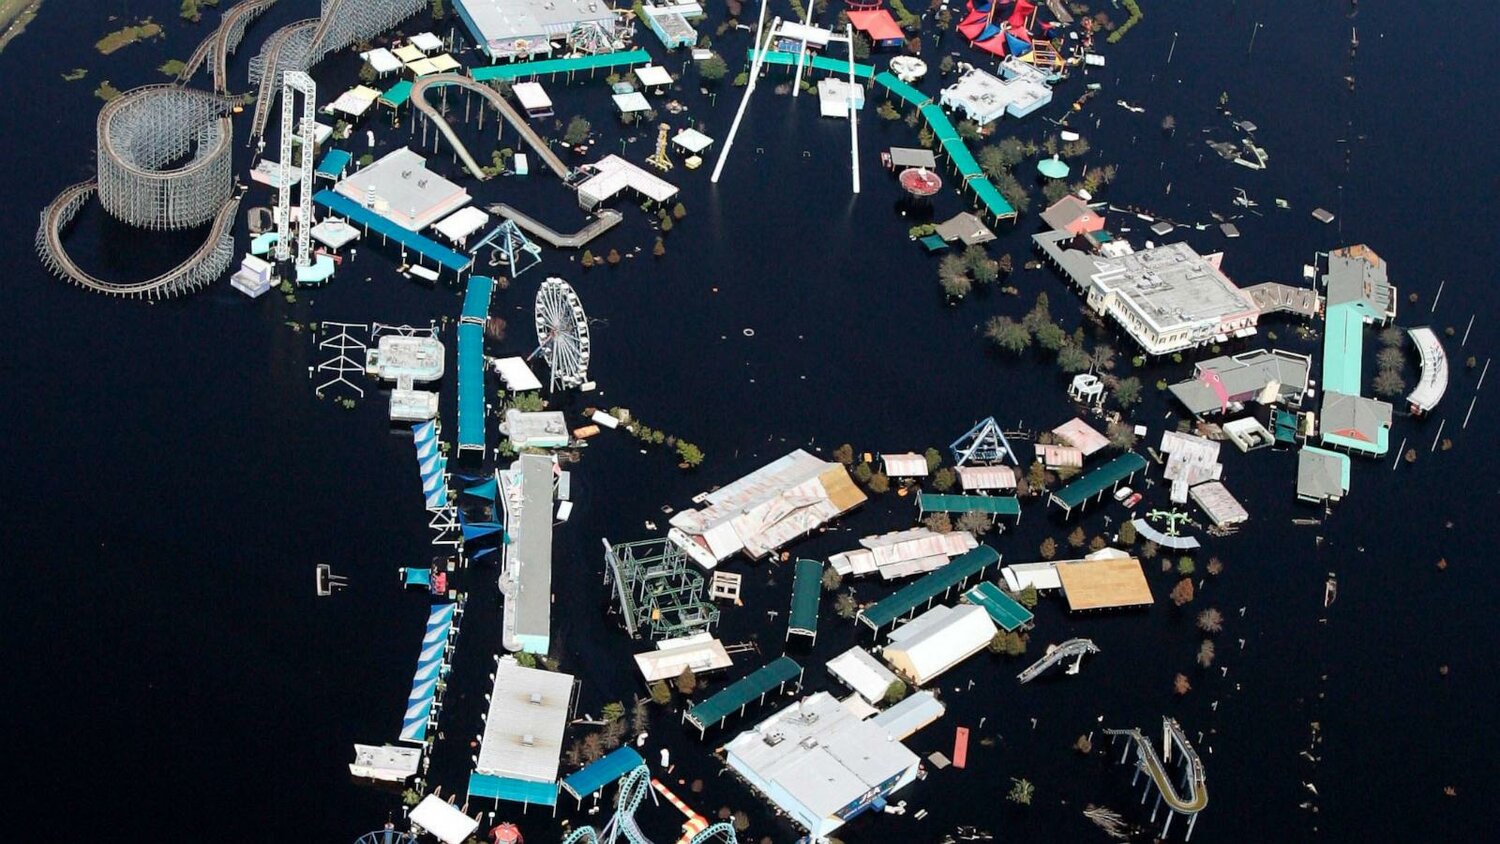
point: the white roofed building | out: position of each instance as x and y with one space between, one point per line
903 552
907 465
444 821
935 641
523 733
863 673
701 652
819 763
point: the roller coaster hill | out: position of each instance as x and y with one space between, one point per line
164 160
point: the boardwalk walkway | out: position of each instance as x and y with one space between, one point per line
607 219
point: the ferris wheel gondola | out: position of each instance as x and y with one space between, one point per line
562 334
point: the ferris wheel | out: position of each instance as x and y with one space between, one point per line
562 333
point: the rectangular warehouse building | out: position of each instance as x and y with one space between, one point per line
820 763
519 29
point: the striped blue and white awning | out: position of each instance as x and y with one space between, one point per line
429 670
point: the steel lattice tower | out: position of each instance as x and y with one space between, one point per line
294 83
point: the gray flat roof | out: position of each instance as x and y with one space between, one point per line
504 20
1357 274
1322 474
1170 286
1244 376
909 157
533 548
404 191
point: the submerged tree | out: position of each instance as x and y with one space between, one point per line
1008 334
1021 791
1182 594
713 68
1180 684
1206 653
1389 383
577 131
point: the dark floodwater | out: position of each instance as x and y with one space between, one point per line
171 479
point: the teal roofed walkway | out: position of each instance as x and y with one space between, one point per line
840 66
739 694
923 592
471 364
1093 484
512 790
901 89
424 247
807 588
477 299
1003 609
522 70
470 387
593 777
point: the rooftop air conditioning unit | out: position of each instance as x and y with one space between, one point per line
536 698
529 740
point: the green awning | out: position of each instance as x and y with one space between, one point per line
914 594
1098 480
994 505
742 692
1003 609
806 589
901 89
933 242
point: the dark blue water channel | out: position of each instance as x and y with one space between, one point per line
171 480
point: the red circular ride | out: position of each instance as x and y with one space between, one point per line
919 181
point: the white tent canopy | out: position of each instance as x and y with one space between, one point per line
382 60
692 140
446 823
517 376
632 102
427 42
863 673
461 223
653 76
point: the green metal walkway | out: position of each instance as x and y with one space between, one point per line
993 505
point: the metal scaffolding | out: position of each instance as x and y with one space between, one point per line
303 132
657 589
